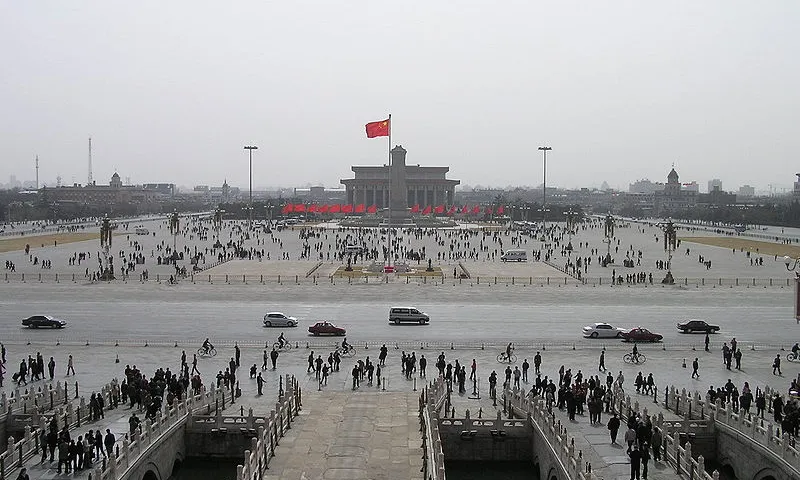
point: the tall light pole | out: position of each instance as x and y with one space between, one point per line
544 187
250 149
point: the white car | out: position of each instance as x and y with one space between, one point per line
278 319
602 330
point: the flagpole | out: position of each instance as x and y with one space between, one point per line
389 229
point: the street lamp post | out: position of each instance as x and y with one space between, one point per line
544 187
250 149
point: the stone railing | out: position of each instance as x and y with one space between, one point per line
46 398
149 435
63 412
681 459
562 447
431 401
262 447
316 279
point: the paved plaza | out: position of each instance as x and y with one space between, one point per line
149 323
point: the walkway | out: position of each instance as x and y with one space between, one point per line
116 420
351 435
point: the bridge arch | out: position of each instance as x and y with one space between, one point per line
552 474
766 474
150 475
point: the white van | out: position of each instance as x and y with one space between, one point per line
353 249
399 315
142 231
514 255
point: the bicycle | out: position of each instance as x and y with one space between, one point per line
503 357
346 352
638 360
210 352
792 358
286 346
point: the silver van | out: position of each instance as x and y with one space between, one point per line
398 315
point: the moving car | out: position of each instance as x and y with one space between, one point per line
640 334
699 326
602 330
326 328
37 321
278 319
399 315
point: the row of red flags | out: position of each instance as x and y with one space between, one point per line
361 208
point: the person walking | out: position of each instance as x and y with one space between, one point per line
70 366
525 367
613 428
260 384
707 342
237 353
695 366
602 366
273 356
776 365
265 358
645 457
537 363
109 442
657 440
636 462
51 368
194 365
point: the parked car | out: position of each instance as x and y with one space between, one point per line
38 321
602 330
640 334
326 328
697 326
278 319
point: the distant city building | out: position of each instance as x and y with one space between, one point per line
424 185
321 194
645 186
673 196
717 197
113 193
797 186
748 191
160 188
715 183
691 187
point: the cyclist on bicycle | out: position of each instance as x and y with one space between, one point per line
281 341
796 350
346 346
635 354
207 346
509 349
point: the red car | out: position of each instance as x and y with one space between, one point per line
326 328
640 334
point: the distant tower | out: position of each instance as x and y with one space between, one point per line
90 162
37 172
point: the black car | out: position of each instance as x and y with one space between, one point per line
37 321
697 326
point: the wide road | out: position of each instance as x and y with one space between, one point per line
462 314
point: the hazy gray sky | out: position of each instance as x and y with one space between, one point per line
171 91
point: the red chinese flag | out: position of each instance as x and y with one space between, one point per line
464 210
300 207
347 208
312 208
439 209
287 208
415 208
378 129
427 210
335 208
360 208
501 210
324 209
476 209
488 210
372 209
452 210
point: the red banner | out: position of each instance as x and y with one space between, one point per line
324 209
439 209
372 209
464 209
427 210
299 207
501 210
347 208
452 210
476 209
415 208
336 208
287 208
360 208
